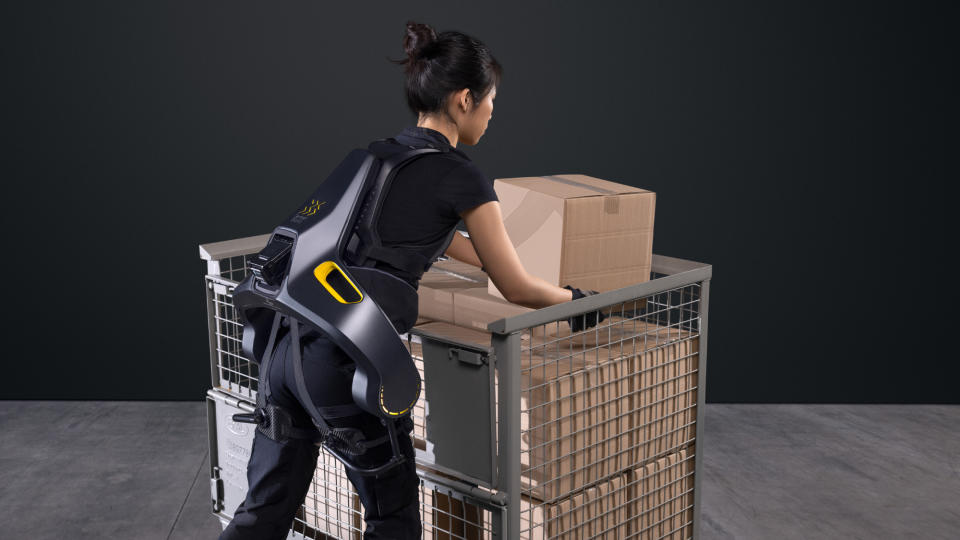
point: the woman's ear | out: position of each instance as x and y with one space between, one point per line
463 99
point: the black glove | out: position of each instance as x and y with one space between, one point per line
579 323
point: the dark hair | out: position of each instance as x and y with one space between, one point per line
438 64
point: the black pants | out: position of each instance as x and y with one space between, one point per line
279 474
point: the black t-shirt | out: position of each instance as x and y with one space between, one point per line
427 196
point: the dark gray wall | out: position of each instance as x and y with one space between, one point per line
800 150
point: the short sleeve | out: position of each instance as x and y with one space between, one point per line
465 187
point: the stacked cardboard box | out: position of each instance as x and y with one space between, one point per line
592 408
568 443
444 297
662 497
436 294
476 308
654 501
460 269
595 411
601 511
663 398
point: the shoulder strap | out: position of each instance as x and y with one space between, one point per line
364 245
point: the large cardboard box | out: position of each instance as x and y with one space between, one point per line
577 230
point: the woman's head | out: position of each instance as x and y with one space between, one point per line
451 79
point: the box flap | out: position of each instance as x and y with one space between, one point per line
570 186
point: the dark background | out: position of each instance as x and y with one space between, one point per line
799 150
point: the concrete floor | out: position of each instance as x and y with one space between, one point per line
138 470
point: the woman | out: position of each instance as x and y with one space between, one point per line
451 83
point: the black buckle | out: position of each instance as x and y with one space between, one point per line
270 264
256 417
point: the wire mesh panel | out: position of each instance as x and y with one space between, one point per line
231 371
226 266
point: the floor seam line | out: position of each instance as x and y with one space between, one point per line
189 491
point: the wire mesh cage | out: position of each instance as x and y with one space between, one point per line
587 434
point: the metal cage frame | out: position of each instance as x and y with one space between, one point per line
490 476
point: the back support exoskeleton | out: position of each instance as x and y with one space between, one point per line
309 274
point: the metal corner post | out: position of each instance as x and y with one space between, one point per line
212 332
701 412
506 349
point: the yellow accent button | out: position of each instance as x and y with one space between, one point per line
337 283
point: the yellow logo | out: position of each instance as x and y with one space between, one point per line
312 208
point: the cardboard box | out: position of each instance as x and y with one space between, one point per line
662 495
577 230
601 511
615 508
680 508
635 408
576 418
623 333
461 269
476 308
538 521
663 398
435 295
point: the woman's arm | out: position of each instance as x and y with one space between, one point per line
462 250
493 248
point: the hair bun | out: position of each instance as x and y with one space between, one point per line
417 36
